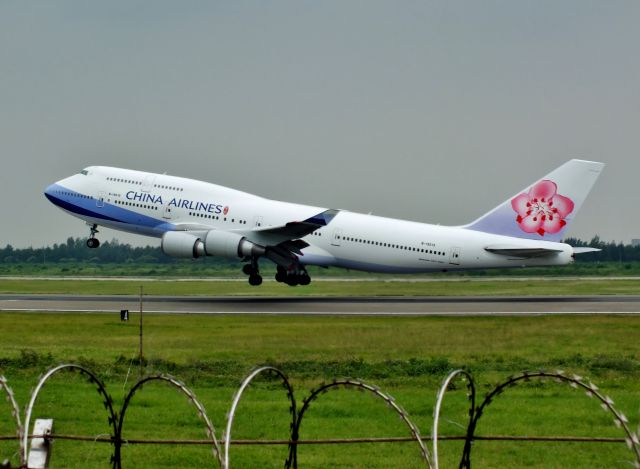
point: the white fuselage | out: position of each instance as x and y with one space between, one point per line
153 204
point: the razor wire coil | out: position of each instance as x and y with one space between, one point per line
221 454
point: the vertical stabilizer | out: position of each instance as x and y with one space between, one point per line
545 209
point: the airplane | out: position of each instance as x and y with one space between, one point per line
196 219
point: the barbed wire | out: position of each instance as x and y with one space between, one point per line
222 458
348 383
15 413
236 400
325 441
471 395
117 463
574 381
93 379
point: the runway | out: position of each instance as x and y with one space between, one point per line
409 306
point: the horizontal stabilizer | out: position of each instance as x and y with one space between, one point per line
516 251
585 250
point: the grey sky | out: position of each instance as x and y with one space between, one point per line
434 112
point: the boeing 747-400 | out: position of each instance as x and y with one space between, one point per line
197 219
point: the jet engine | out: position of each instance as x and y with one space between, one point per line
215 243
229 244
181 244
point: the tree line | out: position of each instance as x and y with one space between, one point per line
76 250
114 252
611 251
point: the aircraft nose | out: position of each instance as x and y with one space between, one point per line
49 192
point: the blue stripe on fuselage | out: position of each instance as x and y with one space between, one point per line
78 204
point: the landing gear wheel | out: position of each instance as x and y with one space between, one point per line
248 269
305 279
93 243
292 280
255 280
281 275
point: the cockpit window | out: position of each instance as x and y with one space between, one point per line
84 171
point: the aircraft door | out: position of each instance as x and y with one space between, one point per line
167 213
337 238
100 200
257 222
454 256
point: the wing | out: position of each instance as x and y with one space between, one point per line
275 235
299 229
283 243
272 235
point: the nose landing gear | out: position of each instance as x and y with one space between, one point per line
93 242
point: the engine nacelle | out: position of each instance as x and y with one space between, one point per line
182 244
216 243
229 244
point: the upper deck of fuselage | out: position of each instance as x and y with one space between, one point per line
111 177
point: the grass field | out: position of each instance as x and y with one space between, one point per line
214 267
464 287
406 357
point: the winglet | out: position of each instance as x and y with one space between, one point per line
322 218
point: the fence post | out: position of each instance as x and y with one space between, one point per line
41 446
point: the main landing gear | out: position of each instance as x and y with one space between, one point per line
93 242
253 271
294 277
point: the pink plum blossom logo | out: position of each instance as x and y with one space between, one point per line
542 210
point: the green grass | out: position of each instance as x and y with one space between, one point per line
407 357
500 287
215 267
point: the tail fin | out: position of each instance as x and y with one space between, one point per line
545 209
